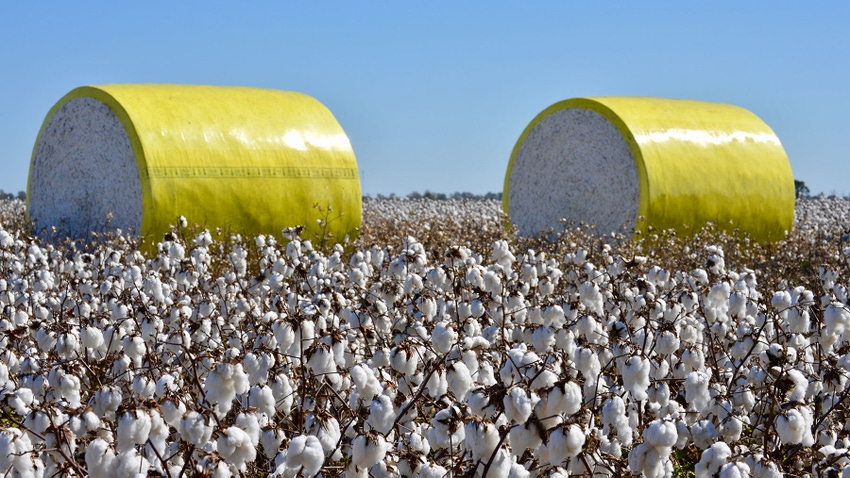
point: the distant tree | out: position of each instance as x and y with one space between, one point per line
22 195
414 195
800 188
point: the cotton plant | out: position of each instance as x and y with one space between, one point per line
418 356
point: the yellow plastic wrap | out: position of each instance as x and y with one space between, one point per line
696 162
248 159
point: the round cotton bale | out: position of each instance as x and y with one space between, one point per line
628 163
136 157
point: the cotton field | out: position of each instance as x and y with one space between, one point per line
436 344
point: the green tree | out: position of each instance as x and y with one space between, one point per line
800 189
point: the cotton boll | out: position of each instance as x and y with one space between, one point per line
235 446
696 390
524 437
565 443
223 384
794 426
459 381
131 464
635 373
437 384
482 438
382 414
443 337
703 433
100 459
368 450
713 459
16 453
305 453
446 430
106 402
271 440
133 429
172 411
194 428
365 381
518 405
543 338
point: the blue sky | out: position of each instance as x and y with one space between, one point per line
433 95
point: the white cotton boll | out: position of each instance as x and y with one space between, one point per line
459 381
446 429
635 373
771 470
20 400
703 433
382 414
477 309
133 429
524 437
251 425
223 384
800 386
106 402
443 337
519 404
565 399
131 464
194 429
662 435
781 300
166 383
429 470
271 440
134 347
713 459
284 394
365 381
235 446
143 387
16 453
437 384
305 453
482 438
67 346
172 411
492 283
565 443
553 316
591 298
368 450
257 367
262 398
795 426
543 338
100 459
696 390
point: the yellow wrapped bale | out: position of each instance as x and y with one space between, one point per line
634 162
136 157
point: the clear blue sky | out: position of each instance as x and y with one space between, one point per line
433 95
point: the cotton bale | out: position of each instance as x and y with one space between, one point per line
636 162
136 157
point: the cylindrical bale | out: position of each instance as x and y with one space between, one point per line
626 163
136 157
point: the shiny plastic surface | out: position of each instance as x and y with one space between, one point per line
250 160
697 161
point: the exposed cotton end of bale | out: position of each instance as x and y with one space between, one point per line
84 175
633 163
573 165
136 157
